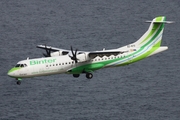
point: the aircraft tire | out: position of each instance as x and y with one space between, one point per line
76 75
18 82
89 75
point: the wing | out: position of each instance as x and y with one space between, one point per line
53 49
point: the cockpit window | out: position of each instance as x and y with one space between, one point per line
21 65
18 65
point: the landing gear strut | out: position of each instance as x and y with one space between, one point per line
89 75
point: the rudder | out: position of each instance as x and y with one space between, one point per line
153 35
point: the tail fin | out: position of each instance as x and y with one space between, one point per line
153 35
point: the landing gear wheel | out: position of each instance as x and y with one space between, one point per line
89 75
18 82
76 75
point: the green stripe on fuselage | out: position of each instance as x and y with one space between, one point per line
95 66
87 68
146 54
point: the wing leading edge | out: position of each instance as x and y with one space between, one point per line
53 49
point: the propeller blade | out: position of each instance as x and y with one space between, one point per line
73 57
76 52
48 52
45 55
76 60
72 51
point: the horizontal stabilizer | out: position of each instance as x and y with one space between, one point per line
160 21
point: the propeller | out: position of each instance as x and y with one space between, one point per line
74 55
48 52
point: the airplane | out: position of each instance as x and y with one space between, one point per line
58 61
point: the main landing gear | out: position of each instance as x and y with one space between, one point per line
76 75
88 75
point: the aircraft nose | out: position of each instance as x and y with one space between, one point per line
12 72
9 73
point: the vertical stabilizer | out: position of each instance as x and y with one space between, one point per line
153 35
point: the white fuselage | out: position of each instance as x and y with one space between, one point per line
61 64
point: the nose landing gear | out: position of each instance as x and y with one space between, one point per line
18 81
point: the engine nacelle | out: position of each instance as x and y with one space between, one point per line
59 53
83 57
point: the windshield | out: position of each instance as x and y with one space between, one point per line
21 65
